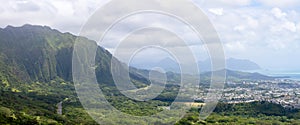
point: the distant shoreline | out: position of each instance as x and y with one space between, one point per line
291 76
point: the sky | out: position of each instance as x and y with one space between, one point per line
264 31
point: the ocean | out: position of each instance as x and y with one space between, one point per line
292 76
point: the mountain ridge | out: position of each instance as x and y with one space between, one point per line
171 65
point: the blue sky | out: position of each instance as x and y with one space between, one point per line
264 31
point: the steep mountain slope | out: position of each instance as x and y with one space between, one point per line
36 73
35 53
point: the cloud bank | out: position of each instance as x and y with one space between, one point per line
265 31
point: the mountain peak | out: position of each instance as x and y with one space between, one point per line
24 26
30 28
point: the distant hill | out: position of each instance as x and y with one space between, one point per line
241 64
231 64
238 75
168 64
171 65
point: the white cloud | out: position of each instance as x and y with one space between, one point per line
280 3
236 46
298 26
223 3
278 13
26 6
284 27
217 11
257 27
290 26
239 28
258 32
60 14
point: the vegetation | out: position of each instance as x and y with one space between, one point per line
261 113
35 75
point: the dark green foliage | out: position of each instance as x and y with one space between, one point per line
253 109
261 113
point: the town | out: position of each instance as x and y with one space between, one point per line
280 91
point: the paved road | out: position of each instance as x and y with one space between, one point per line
59 108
